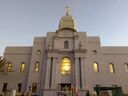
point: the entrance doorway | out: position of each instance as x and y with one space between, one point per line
115 91
65 89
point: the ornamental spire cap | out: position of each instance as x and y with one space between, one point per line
67 21
67 10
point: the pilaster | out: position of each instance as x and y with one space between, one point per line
53 82
47 77
83 72
77 73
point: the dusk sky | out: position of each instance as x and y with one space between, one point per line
22 20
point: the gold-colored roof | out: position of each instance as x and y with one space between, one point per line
67 21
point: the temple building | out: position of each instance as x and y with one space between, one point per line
65 62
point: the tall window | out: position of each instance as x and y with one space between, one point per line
66 44
66 66
95 67
37 64
111 68
126 67
4 87
9 66
22 67
34 87
19 87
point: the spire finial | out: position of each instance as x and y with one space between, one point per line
67 10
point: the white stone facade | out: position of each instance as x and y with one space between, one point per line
82 50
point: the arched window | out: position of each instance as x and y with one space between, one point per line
111 68
66 66
22 67
34 87
95 67
37 64
126 67
66 44
9 66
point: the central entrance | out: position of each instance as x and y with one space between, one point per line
65 89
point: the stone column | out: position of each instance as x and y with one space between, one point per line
57 75
53 82
77 73
83 72
47 76
73 72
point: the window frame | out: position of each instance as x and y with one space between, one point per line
37 66
34 88
5 87
22 67
9 66
126 67
19 87
96 67
66 44
65 65
111 68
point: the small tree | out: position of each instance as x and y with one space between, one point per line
3 65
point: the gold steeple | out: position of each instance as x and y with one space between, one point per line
67 21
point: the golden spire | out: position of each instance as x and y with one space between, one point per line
67 21
67 10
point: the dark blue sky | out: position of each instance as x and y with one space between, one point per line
22 20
